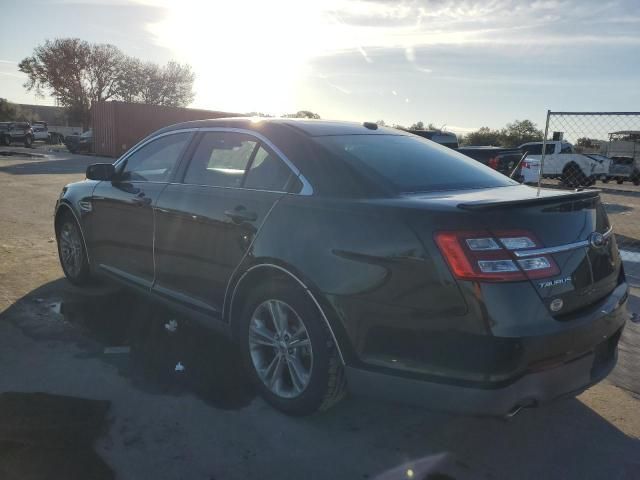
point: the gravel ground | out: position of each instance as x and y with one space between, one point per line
207 424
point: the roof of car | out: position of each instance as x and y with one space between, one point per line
313 128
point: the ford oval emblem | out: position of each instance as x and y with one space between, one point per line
596 240
556 304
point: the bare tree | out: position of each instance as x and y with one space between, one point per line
78 74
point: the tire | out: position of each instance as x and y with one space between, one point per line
6 140
620 181
573 177
269 358
28 141
71 251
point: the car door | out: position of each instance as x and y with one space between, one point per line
206 223
120 225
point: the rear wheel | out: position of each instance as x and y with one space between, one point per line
288 350
620 181
573 177
73 257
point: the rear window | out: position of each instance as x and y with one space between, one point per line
412 164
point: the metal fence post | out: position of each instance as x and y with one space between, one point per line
544 150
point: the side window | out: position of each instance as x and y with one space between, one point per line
220 159
268 172
566 148
550 149
535 149
155 161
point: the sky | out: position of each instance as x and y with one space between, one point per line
459 64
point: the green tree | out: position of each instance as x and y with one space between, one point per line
484 136
519 132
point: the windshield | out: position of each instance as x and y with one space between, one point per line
412 164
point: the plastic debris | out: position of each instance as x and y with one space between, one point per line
179 367
117 350
56 307
171 326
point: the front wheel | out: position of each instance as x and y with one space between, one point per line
573 177
73 257
288 350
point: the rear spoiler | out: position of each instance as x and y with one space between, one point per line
525 202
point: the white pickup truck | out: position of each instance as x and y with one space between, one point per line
561 161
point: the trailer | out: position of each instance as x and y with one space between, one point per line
117 126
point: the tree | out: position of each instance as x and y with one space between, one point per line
519 132
78 74
484 136
303 114
420 126
381 123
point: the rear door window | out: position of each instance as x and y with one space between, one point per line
411 164
221 159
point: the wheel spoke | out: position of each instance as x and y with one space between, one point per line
278 316
274 371
298 374
302 342
260 335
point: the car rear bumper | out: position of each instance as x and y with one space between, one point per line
560 364
532 389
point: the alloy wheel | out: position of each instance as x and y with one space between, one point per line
71 249
280 348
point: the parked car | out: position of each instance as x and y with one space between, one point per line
16 131
342 255
621 169
448 139
561 161
504 160
621 146
40 131
80 143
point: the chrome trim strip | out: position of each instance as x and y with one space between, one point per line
559 248
301 283
306 190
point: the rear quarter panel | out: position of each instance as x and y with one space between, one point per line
368 267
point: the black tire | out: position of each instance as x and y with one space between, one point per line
6 140
28 141
573 177
326 382
620 181
76 269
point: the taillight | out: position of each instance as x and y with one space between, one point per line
526 164
493 163
485 256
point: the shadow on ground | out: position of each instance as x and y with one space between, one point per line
358 439
51 166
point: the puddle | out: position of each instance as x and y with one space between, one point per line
160 352
50 436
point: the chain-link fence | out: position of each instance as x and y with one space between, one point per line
595 150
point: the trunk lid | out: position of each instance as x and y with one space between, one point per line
572 228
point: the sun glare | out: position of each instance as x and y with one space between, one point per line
249 56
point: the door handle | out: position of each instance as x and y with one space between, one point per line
141 200
240 214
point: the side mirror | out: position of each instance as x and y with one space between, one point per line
101 171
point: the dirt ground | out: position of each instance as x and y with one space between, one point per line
206 423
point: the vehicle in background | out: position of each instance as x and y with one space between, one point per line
622 168
80 143
504 160
16 132
623 145
344 255
40 131
448 139
561 161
